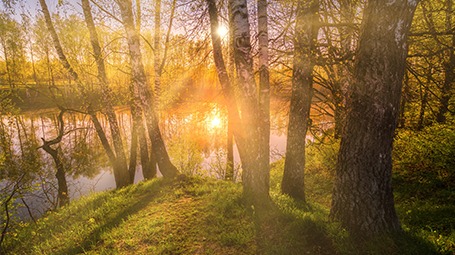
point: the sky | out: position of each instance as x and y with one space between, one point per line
33 7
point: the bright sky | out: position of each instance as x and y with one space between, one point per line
33 7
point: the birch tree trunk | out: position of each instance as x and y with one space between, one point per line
264 85
120 157
362 196
142 91
156 50
306 32
255 160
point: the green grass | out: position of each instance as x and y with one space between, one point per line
204 216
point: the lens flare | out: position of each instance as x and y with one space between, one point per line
222 31
216 122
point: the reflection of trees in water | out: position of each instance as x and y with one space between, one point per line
78 150
196 143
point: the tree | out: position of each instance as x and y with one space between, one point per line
120 168
362 196
255 159
62 193
142 91
120 158
306 32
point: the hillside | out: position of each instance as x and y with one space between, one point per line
199 216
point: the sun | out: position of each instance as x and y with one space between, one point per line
222 31
216 122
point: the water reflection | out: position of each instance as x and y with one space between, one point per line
196 142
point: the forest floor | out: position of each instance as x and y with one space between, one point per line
204 216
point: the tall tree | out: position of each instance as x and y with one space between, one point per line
156 50
362 196
142 91
255 159
264 84
226 85
120 157
306 32
120 169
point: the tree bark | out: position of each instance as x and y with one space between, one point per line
142 91
362 196
306 32
264 85
255 162
133 148
120 157
62 193
156 50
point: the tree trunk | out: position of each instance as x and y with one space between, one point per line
264 85
255 160
156 50
306 32
142 91
62 193
121 177
362 196
449 70
423 103
133 148
404 100
233 113
148 166
229 176
107 97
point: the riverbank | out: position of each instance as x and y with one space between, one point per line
203 216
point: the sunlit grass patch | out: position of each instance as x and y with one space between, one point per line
199 215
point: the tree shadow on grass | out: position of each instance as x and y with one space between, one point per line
95 235
283 232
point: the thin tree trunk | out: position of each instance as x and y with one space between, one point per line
449 70
133 148
120 157
230 135
404 100
264 85
233 113
423 102
362 196
142 91
156 53
62 194
230 152
306 32
7 64
148 166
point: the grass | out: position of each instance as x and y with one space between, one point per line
205 216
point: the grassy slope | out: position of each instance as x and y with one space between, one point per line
201 216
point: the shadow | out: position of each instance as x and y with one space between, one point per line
280 232
95 235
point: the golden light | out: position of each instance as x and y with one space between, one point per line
222 31
216 122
